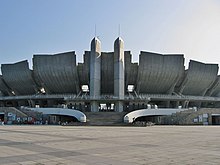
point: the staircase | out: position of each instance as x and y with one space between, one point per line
105 118
13 110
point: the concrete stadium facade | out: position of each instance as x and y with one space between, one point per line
109 81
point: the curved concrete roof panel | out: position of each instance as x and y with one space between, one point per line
57 73
214 90
159 73
19 78
199 78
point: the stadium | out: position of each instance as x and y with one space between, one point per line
109 82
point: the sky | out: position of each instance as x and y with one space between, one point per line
189 27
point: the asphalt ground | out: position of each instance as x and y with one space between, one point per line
88 145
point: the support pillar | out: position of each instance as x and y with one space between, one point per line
95 73
119 73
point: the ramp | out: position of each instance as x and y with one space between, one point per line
128 118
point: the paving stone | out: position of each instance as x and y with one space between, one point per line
80 145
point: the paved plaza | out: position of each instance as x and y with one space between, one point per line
79 145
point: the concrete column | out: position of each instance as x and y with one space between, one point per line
119 73
95 72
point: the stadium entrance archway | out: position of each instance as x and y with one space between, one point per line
215 119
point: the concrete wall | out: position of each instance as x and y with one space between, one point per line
131 71
57 73
107 73
84 69
18 77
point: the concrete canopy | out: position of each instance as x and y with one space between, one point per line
198 78
158 73
214 90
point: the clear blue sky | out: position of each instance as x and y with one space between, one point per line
190 27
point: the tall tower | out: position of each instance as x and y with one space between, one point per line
119 73
95 73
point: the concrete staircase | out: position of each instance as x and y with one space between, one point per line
105 118
13 110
